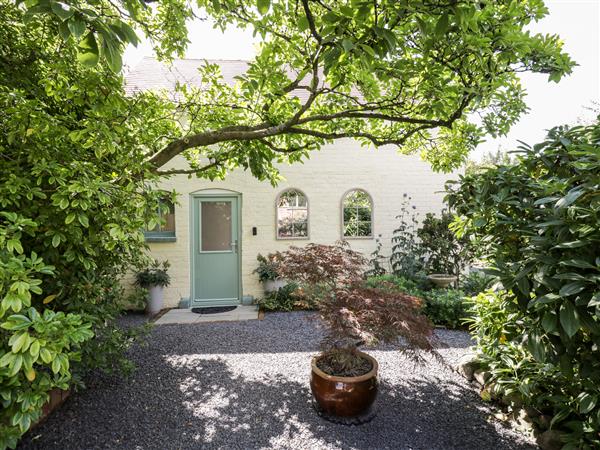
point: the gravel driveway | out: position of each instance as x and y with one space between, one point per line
244 385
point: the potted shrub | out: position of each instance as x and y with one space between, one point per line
154 278
268 274
343 378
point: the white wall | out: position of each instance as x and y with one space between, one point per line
383 173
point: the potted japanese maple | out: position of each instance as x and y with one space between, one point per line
154 278
343 378
268 274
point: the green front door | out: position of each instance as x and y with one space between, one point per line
215 249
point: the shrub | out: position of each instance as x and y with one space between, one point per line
155 275
283 299
475 282
447 307
443 252
267 268
354 314
75 195
539 220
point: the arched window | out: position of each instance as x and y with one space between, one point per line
292 215
357 214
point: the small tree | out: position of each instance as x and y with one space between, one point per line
354 314
444 252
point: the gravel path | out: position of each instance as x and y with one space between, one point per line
244 385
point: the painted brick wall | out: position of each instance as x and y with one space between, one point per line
383 173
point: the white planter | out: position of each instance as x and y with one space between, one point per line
155 300
274 285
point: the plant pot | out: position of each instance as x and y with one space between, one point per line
155 300
274 285
344 396
441 280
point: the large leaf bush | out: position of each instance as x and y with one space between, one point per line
539 220
74 197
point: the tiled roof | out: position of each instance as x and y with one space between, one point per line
150 74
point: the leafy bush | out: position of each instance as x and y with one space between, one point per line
74 195
354 314
475 282
155 275
447 307
442 251
267 268
429 247
539 221
283 299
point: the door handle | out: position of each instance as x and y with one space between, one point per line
234 246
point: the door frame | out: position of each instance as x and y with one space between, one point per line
211 193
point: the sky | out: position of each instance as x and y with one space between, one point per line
577 22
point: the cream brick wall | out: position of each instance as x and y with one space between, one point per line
383 173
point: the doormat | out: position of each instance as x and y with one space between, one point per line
213 309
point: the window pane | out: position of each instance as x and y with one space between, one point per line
300 215
349 214
287 198
350 228
165 218
215 226
292 215
301 200
364 214
300 229
364 229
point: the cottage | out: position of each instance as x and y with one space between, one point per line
214 234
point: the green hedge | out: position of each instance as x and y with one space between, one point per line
539 220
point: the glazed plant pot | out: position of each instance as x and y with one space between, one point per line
155 300
441 280
344 396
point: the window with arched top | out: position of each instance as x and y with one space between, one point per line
292 215
357 214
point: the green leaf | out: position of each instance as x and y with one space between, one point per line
347 44
572 288
70 218
129 33
55 240
587 402
303 24
263 6
442 26
568 199
76 27
549 322
87 51
62 10
45 355
569 319
112 53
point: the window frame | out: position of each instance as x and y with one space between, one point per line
292 238
163 235
372 203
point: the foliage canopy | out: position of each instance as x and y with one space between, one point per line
405 73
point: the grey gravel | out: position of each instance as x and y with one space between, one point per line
244 385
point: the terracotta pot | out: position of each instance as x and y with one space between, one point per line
344 396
